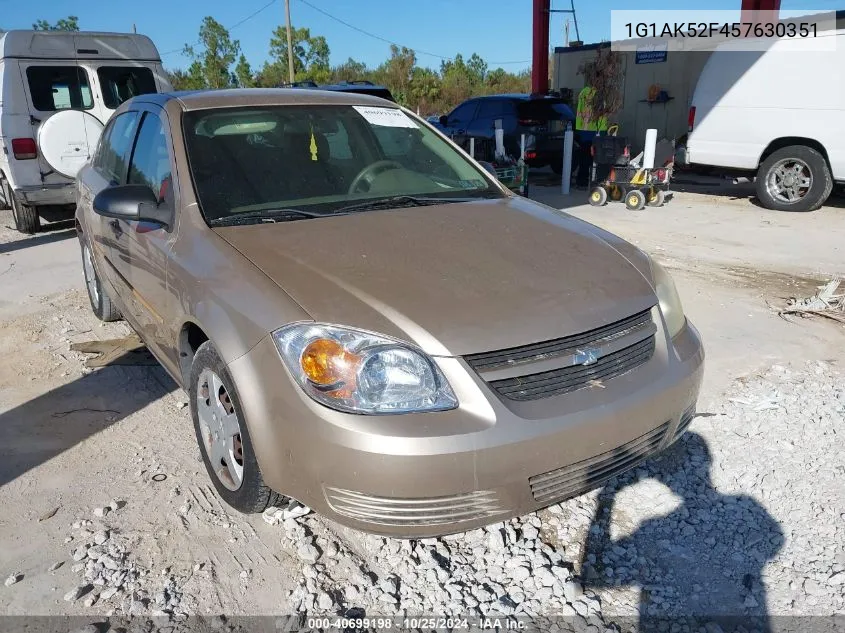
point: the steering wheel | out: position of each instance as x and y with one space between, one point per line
368 174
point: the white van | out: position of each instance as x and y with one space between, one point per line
57 90
779 113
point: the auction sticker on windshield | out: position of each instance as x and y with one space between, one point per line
386 117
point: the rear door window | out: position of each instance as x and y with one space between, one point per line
115 144
463 114
120 83
59 88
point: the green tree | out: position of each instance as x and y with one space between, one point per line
397 71
350 70
70 23
425 90
310 57
214 57
182 80
243 73
477 69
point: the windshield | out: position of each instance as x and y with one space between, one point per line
320 159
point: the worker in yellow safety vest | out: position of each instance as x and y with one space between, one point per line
586 128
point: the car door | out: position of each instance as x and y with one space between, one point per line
482 124
150 243
108 235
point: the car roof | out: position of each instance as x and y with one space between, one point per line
240 97
516 96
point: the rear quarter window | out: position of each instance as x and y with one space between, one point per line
59 88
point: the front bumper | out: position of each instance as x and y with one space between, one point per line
421 475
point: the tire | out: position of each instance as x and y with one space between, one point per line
635 200
25 216
657 199
101 304
7 194
809 171
557 167
244 491
598 197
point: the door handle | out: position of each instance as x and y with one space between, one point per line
116 228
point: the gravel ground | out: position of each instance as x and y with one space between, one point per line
742 516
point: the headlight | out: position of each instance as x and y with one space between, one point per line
670 302
359 372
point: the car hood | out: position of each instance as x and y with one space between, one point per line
454 278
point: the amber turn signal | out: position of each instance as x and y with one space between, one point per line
326 362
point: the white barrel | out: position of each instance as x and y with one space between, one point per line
650 146
566 174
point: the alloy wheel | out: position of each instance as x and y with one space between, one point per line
789 180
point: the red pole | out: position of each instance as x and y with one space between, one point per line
540 50
751 9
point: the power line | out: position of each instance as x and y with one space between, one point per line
234 26
373 35
382 39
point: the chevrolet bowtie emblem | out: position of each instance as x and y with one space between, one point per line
586 356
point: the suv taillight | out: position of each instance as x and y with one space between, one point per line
529 122
24 148
691 119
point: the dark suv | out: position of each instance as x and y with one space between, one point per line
541 119
355 87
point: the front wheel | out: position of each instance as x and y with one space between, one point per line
598 197
635 200
223 436
101 303
794 178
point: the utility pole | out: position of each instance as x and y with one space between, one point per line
290 41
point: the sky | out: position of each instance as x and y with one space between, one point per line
498 30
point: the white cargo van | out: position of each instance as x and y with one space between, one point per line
57 90
778 114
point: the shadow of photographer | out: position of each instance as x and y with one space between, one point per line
701 562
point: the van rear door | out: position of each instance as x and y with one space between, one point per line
52 86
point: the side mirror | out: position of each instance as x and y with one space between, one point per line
131 202
444 120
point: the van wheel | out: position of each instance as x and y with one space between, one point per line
794 178
7 194
223 436
25 216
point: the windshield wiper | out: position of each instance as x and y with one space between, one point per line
396 202
273 215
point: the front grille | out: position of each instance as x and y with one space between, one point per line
570 481
566 379
404 512
557 347
626 344
686 419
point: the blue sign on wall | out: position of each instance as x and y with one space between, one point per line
651 55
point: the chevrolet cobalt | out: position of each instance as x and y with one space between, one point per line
366 321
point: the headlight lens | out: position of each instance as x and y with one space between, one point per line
359 372
670 301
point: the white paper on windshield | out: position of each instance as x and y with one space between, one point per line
386 117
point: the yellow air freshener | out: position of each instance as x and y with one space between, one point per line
313 146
